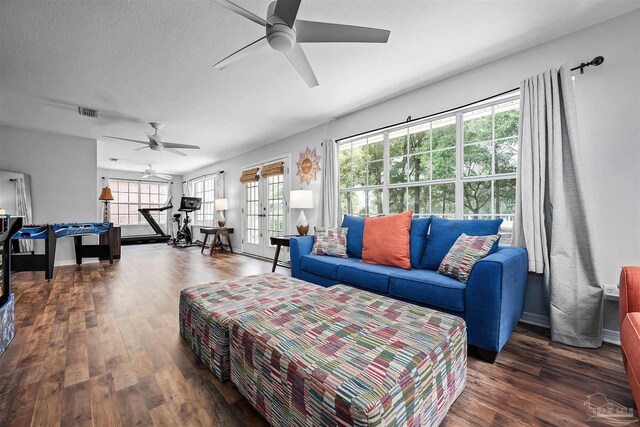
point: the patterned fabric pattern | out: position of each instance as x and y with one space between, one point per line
349 358
205 311
330 241
464 254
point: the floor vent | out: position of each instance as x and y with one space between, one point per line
88 112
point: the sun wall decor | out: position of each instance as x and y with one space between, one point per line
308 165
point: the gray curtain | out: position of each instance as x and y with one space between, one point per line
329 197
219 185
23 208
551 220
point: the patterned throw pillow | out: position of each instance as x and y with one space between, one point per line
330 241
464 254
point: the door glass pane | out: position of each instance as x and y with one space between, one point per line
252 212
275 186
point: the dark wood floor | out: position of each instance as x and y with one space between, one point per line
99 345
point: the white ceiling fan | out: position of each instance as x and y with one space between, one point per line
150 173
156 143
284 33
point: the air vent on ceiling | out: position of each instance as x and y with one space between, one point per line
88 112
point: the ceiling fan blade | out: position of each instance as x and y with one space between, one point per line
163 176
146 175
239 54
174 151
141 148
127 139
174 145
324 32
287 10
299 60
243 12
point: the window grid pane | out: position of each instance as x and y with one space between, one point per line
423 174
130 195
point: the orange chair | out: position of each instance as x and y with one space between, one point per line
630 327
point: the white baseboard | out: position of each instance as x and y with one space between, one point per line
608 335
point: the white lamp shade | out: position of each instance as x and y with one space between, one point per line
221 204
301 199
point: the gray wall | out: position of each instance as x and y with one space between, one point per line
608 103
63 175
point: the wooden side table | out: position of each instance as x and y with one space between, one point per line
217 233
278 242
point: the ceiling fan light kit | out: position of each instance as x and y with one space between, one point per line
282 37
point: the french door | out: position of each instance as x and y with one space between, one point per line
265 213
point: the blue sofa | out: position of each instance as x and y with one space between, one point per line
491 302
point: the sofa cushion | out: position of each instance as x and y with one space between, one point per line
445 232
428 287
369 276
464 254
355 224
325 266
330 241
386 240
418 239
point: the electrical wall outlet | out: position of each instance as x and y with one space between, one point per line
611 292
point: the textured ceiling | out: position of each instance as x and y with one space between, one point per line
140 61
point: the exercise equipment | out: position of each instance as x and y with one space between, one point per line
50 233
183 238
159 237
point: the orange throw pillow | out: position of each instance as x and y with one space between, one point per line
386 240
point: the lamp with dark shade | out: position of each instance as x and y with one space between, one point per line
106 196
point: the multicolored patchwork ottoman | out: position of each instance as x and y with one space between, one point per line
354 358
205 311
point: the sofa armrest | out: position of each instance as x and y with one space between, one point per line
494 297
299 246
629 291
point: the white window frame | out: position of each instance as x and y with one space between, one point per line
160 218
459 180
206 215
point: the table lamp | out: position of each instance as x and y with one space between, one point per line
221 205
106 196
302 199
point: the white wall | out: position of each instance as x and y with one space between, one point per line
143 229
608 104
63 175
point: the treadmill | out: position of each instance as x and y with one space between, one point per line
159 237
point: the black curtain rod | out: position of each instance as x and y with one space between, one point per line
598 60
203 176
